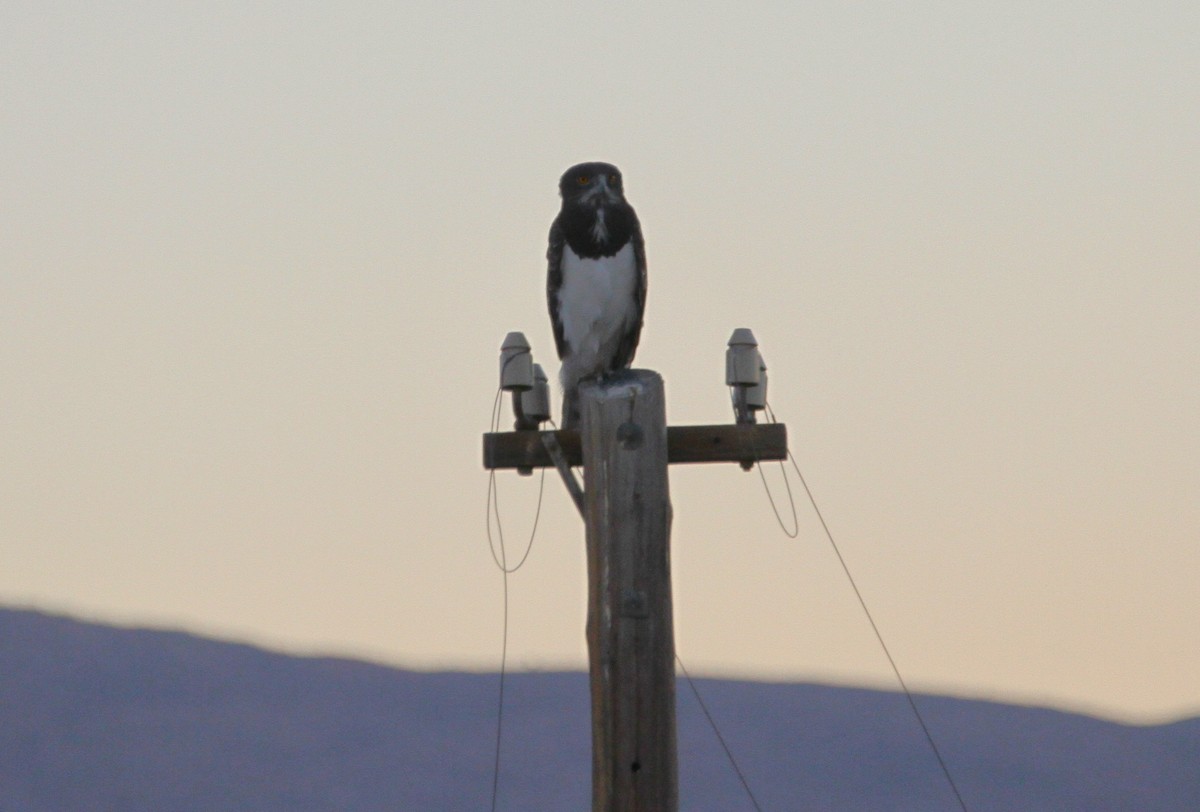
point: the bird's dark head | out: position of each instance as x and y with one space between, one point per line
592 184
596 220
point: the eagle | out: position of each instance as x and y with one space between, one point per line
596 280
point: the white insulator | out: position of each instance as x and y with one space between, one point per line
535 402
756 396
741 359
516 364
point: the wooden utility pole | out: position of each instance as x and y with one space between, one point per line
625 446
631 639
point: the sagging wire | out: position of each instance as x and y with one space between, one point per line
493 509
863 604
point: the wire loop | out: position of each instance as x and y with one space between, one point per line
501 560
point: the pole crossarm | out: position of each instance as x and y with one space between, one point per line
685 444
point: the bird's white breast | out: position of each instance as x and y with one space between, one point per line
596 305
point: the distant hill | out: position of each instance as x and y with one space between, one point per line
102 719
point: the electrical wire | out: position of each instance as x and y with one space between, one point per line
874 627
795 531
493 509
500 703
713 724
493 504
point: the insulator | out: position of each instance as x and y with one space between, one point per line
741 359
516 364
535 402
756 396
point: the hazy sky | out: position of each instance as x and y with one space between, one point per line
257 259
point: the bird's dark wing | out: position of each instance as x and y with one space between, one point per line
554 252
629 341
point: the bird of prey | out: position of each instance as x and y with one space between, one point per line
596 285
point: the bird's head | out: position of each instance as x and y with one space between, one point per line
592 184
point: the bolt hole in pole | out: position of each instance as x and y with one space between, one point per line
630 436
635 766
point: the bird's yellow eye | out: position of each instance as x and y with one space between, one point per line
613 180
583 179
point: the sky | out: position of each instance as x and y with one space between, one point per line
257 260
